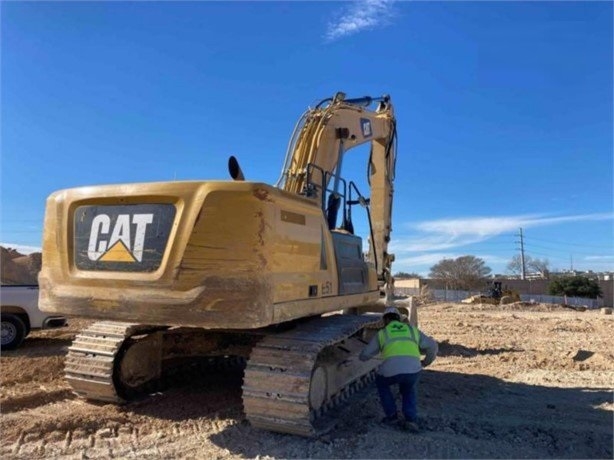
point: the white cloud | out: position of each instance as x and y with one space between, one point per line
358 16
443 238
423 259
421 263
21 248
488 226
451 233
609 258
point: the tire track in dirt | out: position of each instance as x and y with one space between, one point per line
40 398
508 383
69 426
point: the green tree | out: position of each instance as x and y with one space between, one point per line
466 272
575 286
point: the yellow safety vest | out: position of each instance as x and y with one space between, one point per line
399 339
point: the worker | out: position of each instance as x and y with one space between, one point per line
400 345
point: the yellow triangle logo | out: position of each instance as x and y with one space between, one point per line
118 253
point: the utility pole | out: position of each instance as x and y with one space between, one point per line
523 268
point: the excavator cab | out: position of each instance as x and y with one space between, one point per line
496 292
352 265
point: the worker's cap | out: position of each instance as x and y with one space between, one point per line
392 311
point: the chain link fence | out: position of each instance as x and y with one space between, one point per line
448 295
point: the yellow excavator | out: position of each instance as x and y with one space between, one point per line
233 271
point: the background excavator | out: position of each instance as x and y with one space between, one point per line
497 295
233 271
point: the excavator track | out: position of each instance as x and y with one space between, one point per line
284 388
94 361
90 362
291 380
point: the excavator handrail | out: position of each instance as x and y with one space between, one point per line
291 145
364 101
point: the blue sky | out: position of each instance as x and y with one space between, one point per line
504 110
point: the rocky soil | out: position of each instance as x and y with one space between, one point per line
510 382
17 268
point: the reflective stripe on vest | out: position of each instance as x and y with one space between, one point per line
399 339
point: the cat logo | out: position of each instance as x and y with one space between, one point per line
365 125
122 237
120 247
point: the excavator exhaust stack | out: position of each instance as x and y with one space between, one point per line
234 169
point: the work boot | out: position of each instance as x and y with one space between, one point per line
389 420
411 427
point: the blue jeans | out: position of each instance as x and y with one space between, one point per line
408 387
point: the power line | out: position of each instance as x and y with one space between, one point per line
560 250
21 221
571 244
4 230
545 255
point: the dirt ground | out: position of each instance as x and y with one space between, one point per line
510 382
